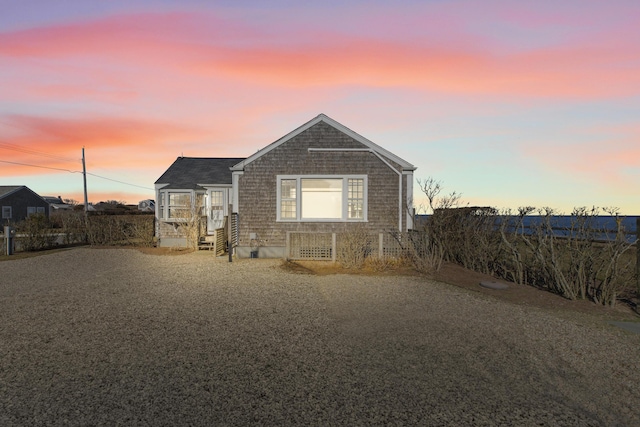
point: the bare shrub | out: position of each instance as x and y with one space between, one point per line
384 263
426 248
136 230
354 246
192 220
141 230
37 233
420 250
467 236
581 260
72 224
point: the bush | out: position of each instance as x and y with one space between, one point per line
72 224
580 261
354 246
135 230
37 233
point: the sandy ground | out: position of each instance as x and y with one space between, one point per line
118 337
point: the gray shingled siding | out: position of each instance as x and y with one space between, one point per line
167 230
257 202
19 201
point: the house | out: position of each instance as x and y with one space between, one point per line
147 205
57 204
18 202
192 181
319 178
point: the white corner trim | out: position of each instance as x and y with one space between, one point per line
383 160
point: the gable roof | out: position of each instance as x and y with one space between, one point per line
191 172
328 120
5 190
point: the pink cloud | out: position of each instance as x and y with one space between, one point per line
113 142
169 45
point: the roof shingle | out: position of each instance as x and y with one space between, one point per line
188 172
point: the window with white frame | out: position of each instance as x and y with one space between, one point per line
355 198
288 204
31 210
179 204
6 212
161 204
40 209
217 200
322 198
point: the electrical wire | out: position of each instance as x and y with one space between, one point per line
120 182
70 171
8 146
13 147
37 166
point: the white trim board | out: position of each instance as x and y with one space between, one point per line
324 118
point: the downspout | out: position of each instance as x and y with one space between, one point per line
369 150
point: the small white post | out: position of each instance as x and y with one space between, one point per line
333 247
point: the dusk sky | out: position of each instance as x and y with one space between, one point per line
510 103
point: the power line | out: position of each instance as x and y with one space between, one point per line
70 171
120 182
37 166
13 147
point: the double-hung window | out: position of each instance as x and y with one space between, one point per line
217 204
6 212
32 210
161 204
179 205
355 198
322 198
288 204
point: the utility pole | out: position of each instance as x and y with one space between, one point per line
638 255
230 232
84 177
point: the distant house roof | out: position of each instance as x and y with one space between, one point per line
53 199
192 172
5 190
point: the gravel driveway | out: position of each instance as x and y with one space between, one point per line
117 337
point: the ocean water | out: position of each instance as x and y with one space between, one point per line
604 227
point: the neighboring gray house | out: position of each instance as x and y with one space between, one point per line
57 204
321 177
18 202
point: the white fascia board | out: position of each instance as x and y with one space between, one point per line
214 185
324 118
361 139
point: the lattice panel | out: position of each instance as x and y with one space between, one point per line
311 246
